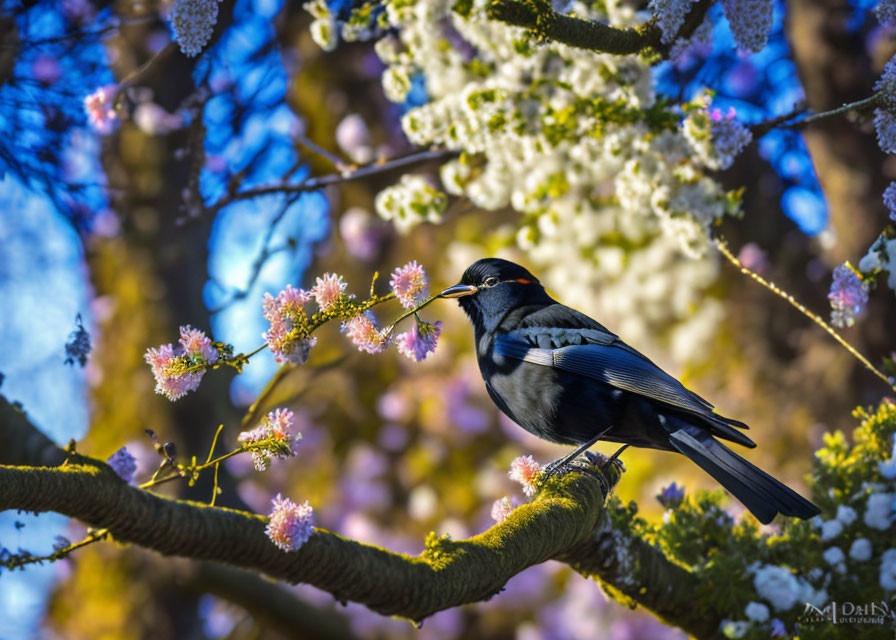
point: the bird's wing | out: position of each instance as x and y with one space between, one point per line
602 356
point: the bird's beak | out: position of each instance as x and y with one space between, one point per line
458 291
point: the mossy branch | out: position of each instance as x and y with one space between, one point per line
566 521
546 24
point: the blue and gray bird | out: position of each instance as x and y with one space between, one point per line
568 379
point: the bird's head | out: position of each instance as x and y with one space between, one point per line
492 287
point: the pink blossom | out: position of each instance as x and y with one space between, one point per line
286 314
290 524
410 284
169 382
273 438
197 346
364 333
420 341
526 471
503 508
101 109
848 296
328 290
169 365
123 464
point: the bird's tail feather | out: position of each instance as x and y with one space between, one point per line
758 491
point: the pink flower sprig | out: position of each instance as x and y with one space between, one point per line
526 471
364 333
410 285
329 291
179 370
290 524
288 337
272 438
420 341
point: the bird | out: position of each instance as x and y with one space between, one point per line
566 378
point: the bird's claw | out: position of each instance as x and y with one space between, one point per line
585 463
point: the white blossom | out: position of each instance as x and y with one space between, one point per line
778 586
412 201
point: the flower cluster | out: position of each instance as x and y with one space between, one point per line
412 201
670 15
100 108
885 114
410 285
750 21
286 338
606 183
364 333
324 28
328 291
526 471
123 464
290 524
502 508
179 370
671 496
886 12
420 341
848 296
716 139
193 22
890 200
273 438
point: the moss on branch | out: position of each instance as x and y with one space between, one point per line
566 521
539 17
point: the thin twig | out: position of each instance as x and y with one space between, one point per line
313 184
787 121
723 248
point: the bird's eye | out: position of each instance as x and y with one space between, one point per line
491 281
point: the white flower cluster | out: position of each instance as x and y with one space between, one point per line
607 183
751 22
783 590
412 201
193 22
881 257
324 30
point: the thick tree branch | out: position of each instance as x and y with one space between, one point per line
540 17
566 521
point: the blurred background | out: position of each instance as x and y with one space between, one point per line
112 226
